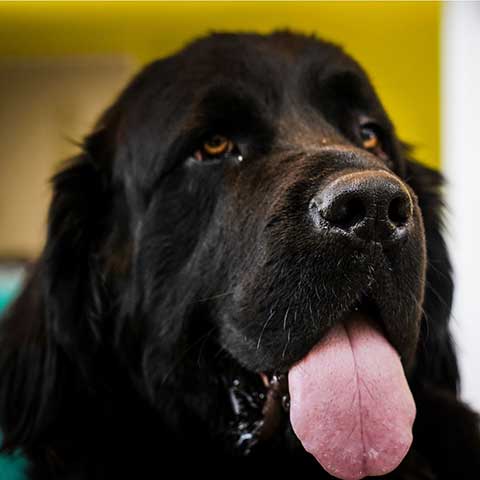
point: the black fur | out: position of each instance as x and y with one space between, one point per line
168 284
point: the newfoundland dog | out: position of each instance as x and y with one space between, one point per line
244 273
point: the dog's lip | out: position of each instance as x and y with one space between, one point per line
364 305
276 381
371 311
277 402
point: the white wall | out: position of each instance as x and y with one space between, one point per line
461 161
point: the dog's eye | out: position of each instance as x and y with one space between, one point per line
215 147
370 140
370 137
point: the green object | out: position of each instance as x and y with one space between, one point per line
11 279
5 298
13 466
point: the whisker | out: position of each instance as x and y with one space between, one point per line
437 295
186 352
437 270
285 318
213 297
272 312
424 313
287 343
204 342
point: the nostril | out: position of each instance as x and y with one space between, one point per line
400 210
343 211
349 213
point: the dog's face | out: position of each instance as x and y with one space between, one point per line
266 201
242 214
265 185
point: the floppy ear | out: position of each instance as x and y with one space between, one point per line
50 336
436 360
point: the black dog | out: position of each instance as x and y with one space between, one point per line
242 265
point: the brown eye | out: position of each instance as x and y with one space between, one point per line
370 140
217 145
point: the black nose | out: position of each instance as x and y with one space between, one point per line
371 205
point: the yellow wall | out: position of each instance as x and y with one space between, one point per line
62 63
397 42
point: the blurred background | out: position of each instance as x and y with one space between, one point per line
62 63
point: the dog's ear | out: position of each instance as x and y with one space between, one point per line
436 360
78 219
50 336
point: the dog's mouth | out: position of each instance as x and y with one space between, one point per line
348 400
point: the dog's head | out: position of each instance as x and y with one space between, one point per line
264 180
248 197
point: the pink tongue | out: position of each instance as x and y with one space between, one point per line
350 403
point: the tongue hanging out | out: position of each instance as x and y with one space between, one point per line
350 403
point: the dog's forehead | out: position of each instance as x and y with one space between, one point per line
279 60
271 70
282 48
283 73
